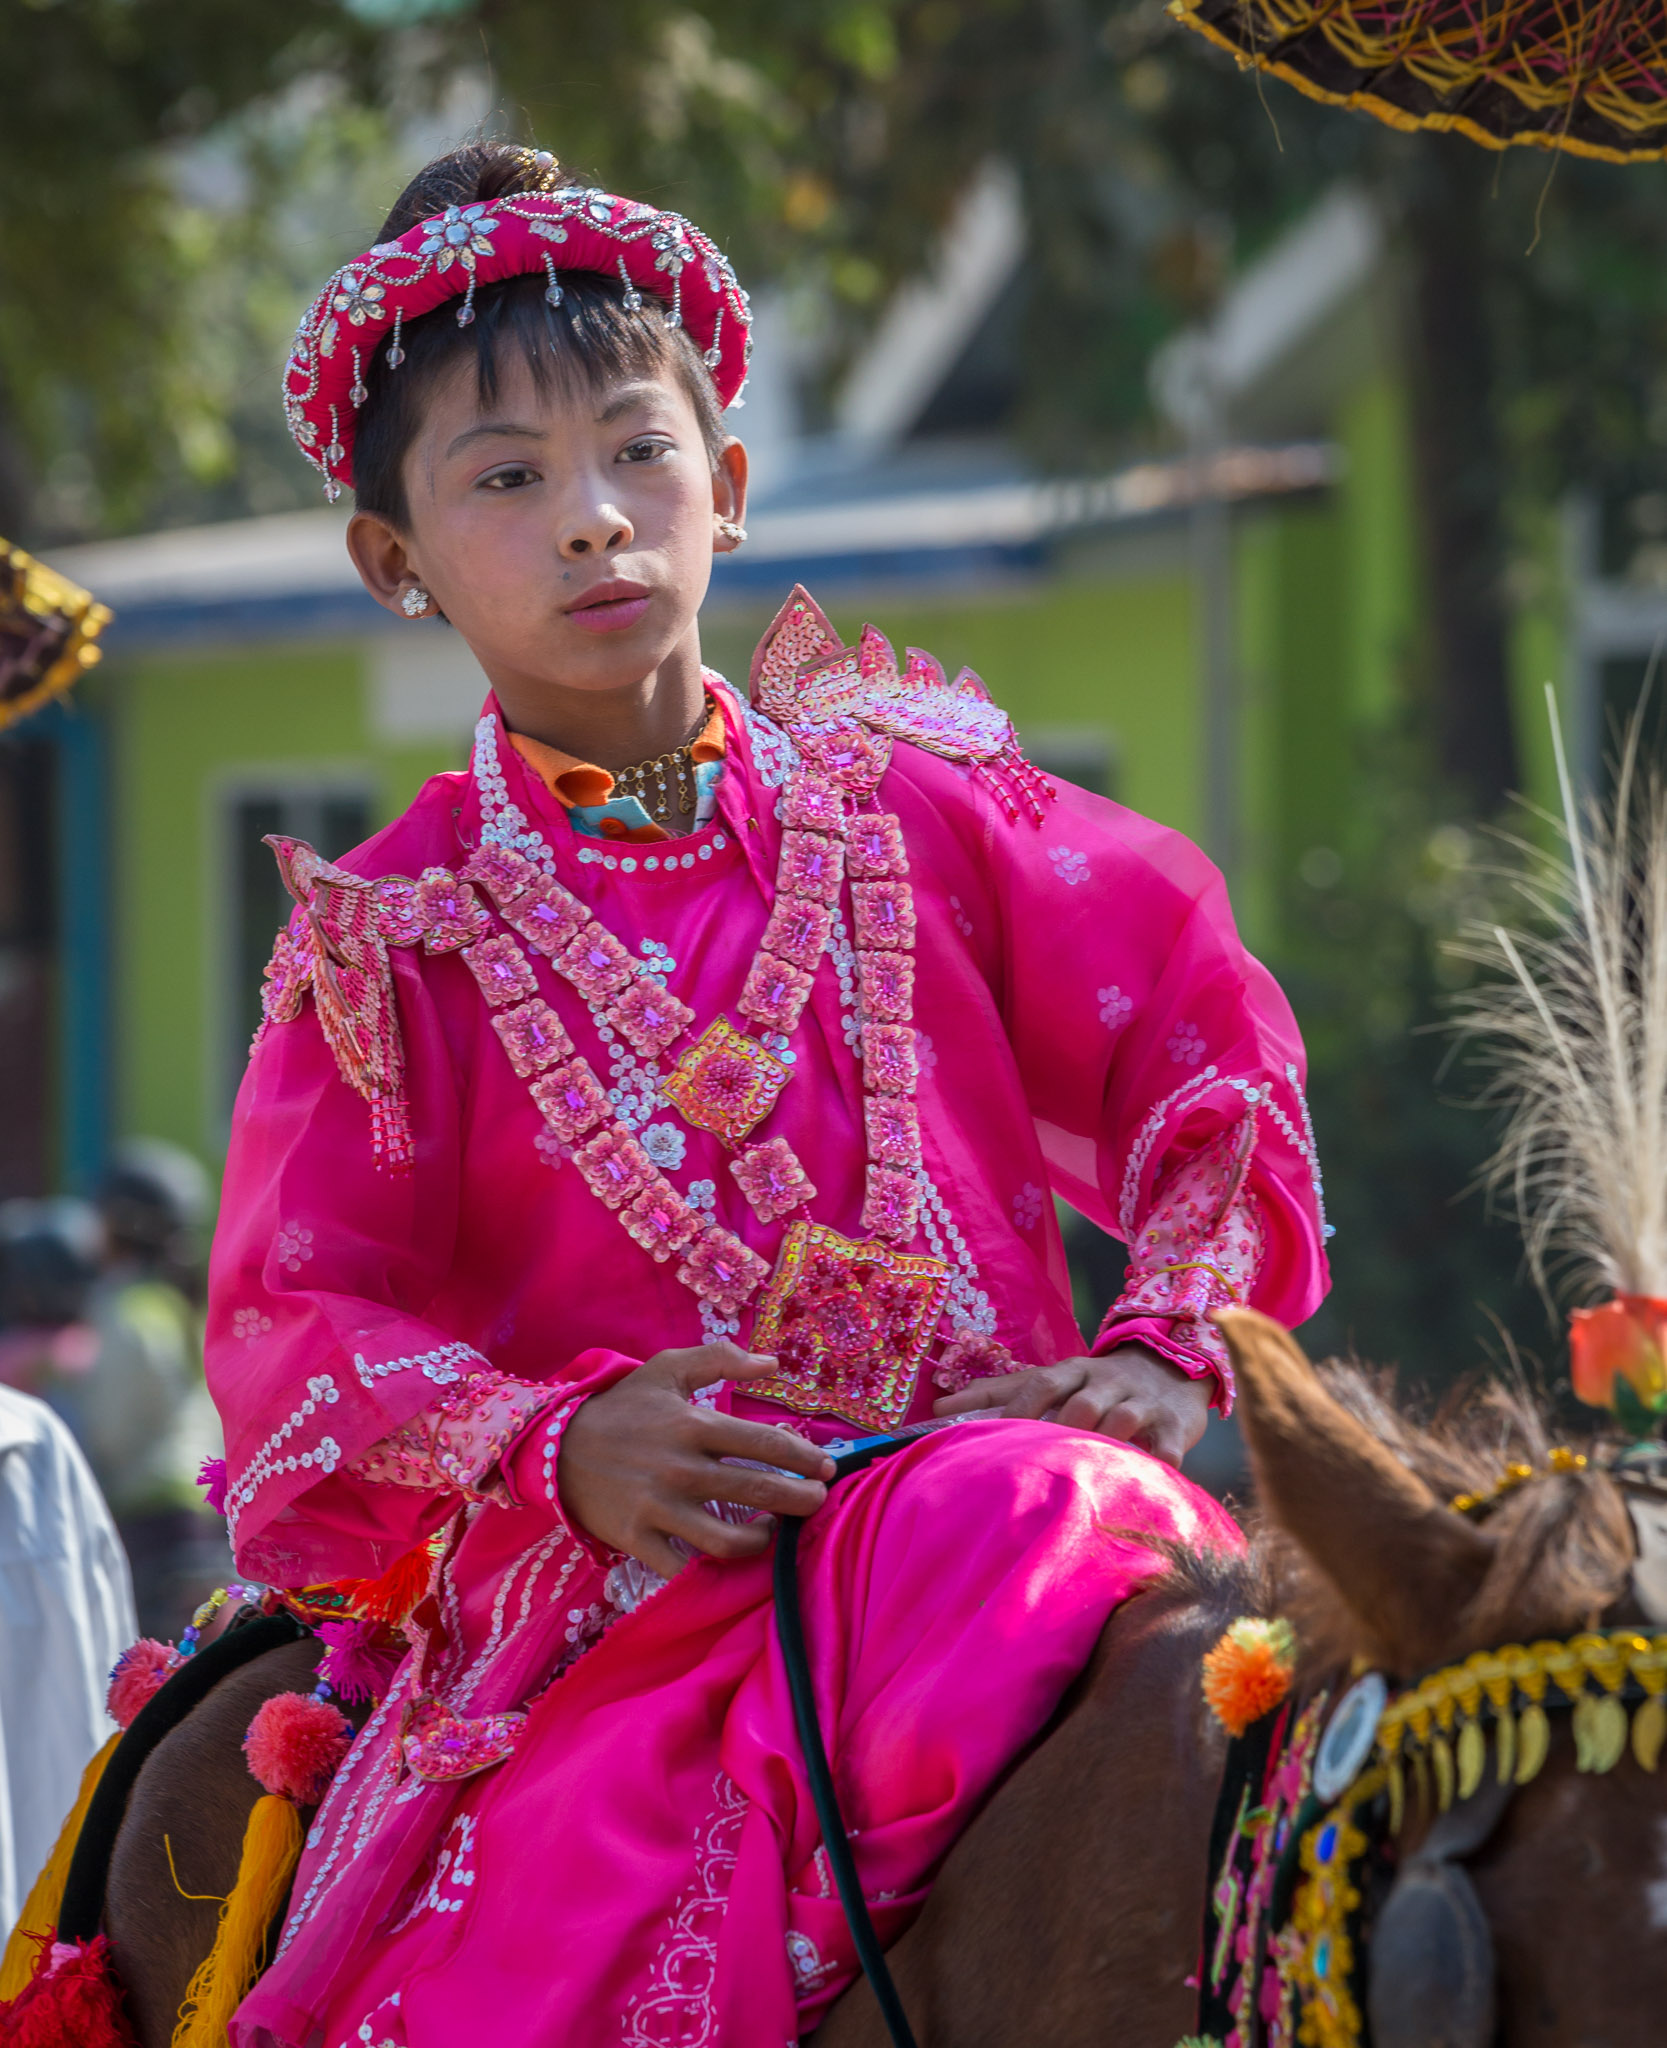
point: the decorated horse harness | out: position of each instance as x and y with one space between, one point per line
1319 1932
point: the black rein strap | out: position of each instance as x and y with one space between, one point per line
790 1628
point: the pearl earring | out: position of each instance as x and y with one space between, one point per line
733 533
415 602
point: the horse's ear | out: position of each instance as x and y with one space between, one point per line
1404 1562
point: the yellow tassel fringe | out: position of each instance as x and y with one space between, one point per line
271 1850
46 1894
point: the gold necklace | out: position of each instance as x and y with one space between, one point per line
666 783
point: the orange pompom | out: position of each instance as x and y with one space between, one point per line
1249 1671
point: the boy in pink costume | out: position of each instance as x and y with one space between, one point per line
574 1079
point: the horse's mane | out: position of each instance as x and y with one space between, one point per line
1562 1541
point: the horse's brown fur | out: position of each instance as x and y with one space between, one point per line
193 1794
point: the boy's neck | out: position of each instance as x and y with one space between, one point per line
612 728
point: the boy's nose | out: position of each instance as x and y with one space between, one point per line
599 530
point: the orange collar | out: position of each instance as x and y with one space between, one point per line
577 784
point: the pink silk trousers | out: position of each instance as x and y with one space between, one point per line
646 1868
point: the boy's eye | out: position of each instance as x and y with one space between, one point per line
645 448
510 478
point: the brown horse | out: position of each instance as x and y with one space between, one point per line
1069 1913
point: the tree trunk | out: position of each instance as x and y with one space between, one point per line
1460 468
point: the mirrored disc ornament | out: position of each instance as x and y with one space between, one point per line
1349 1736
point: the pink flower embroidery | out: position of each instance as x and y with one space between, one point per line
893 1130
1186 1047
798 930
874 847
660 1220
726 1082
615 1167
287 974
504 972
885 914
854 757
571 1100
1027 1206
886 982
888 1059
533 1037
547 918
891 1205
811 804
505 873
775 993
771 1178
649 1017
449 910
723 1271
967 1357
397 916
812 864
596 963
293 1246
1114 1007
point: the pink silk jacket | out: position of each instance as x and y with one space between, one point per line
408 1253
529 1107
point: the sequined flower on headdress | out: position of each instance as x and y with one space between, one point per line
459 234
359 297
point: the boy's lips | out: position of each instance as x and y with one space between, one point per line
610 607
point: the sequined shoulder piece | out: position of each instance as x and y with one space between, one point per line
336 946
846 705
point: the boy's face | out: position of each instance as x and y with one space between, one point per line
567 535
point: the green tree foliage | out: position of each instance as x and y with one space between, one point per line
100 248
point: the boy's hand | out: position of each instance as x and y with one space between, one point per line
1131 1394
638 1461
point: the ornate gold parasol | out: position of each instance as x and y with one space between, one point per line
47 629
1589 76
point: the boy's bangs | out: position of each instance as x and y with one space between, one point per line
584 345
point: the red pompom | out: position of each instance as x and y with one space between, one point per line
141 1672
295 1745
72 2001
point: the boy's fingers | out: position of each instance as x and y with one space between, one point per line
1042 1389
990 1393
776 1495
653 1550
701 1364
728 1436
724 1540
1086 1409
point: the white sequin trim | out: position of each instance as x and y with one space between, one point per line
271 1459
433 1365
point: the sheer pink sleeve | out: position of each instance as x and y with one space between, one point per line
1164 1072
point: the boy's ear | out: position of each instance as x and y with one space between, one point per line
729 492
378 553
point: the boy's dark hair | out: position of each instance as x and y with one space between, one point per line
590 340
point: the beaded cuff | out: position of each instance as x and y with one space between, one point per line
456 1442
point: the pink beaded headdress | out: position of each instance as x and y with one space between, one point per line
463 247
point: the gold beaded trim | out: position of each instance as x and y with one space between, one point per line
1516 1474
1436 1727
